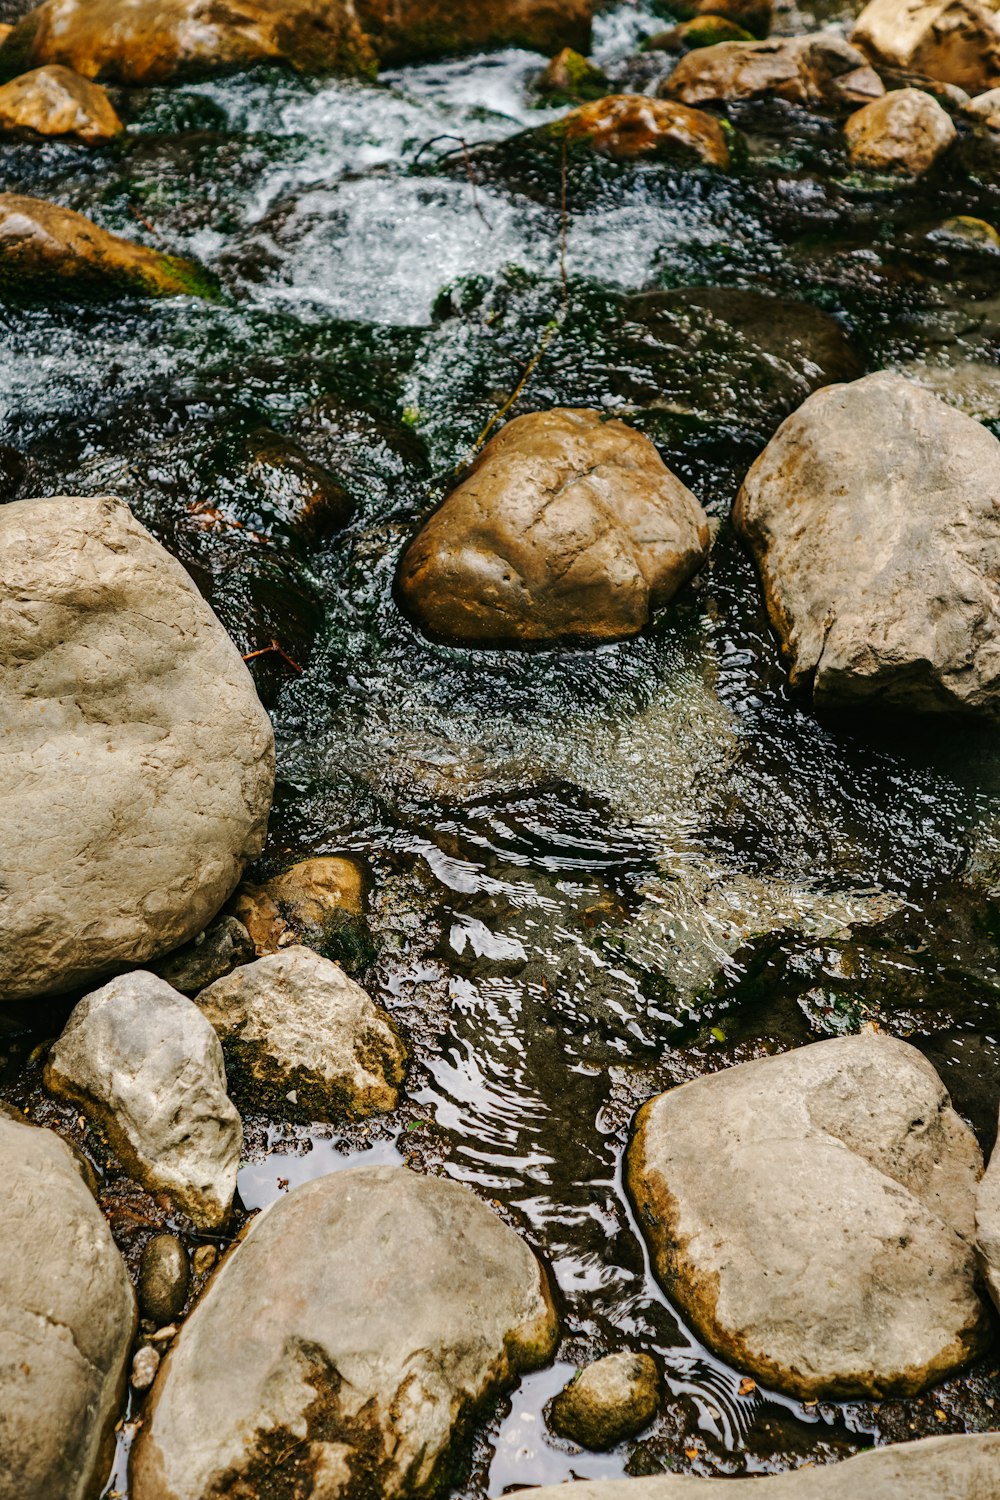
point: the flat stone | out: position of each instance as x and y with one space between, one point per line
813 1214
614 1398
58 102
362 1317
904 131
821 70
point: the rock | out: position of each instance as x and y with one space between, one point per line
404 30
987 107
56 101
988 1226
50 251
905 131
316 891
304 1042
755 16
954 41
68 1316
144 1367
614 1398
571 79
256 911
137 762
221 948
820 70
12 472
204 1259
567 527
963 232
937 1468
971 386
300 495
626 126
164 1279
829 1249
700 31
145 1065
871 515
364 1315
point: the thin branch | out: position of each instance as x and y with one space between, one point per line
276 649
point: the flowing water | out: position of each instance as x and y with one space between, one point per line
594 873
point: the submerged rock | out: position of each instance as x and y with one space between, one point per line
571 78
303 1041
566 528
953 41
56 101
349 1334
255 910
904 131
297 494
50 251
68 1316
700 31
626 126
221 948
137 762
829 1249
755 16
821 70
312 890
872 519
164 1279
145 1065
612 1399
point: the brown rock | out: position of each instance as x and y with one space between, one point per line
905 131
954 41
811 70
570 77
311 891
566 528
700 31
405 29
754 16
268 929
56 101
625 126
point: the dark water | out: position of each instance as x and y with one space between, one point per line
597 873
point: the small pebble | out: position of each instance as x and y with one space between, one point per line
204 1259
144 1367
164 1278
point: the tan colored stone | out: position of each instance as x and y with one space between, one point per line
56 101
252 906
626 126
987 108
953 41
611 1399
566 528
819 70
904 131
311 891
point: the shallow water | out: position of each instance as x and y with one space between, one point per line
594 873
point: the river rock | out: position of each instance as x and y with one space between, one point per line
258 913
571 78
364 1314
52 251
872 517
828 1249
164 1279
303 1041
937 1468
821 70
137 763
904 131
567 527
988 1226
145 1065
403 30
986 107
312 891
700 31
57 101
755 16
221 948
627 126
614 1398
68 1317
953 41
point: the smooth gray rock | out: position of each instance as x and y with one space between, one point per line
303 1041
142 1061
937 1468
363 1314
164 1279
613 1398
813 1215
136 763
872 516
214 953
67 1319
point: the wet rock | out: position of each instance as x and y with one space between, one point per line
626 126
937 1468
299 495
965 233
571 78
144 1367
971 386
612 1399
312 890
52 251
819 71
221 948
871 518
56 101
829 1249
68 1317
755 16
987 108
905 131
359 1321
137 768
258 913
700 31
164 1279
403 30
12 472
145 1065
204 1259
956 41
988 1226
304 1042
566 527
157 41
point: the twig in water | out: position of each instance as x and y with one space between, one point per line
469 169
279 650
563 226
144 222
529 370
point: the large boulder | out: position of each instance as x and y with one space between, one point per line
988 1226
402 30
50 251
937 1468
303 1041
56 101
68 1317
872 517
136 763
567 527
829 1248
343 1342
820 70
906 131
142 1062
627 127
952 41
